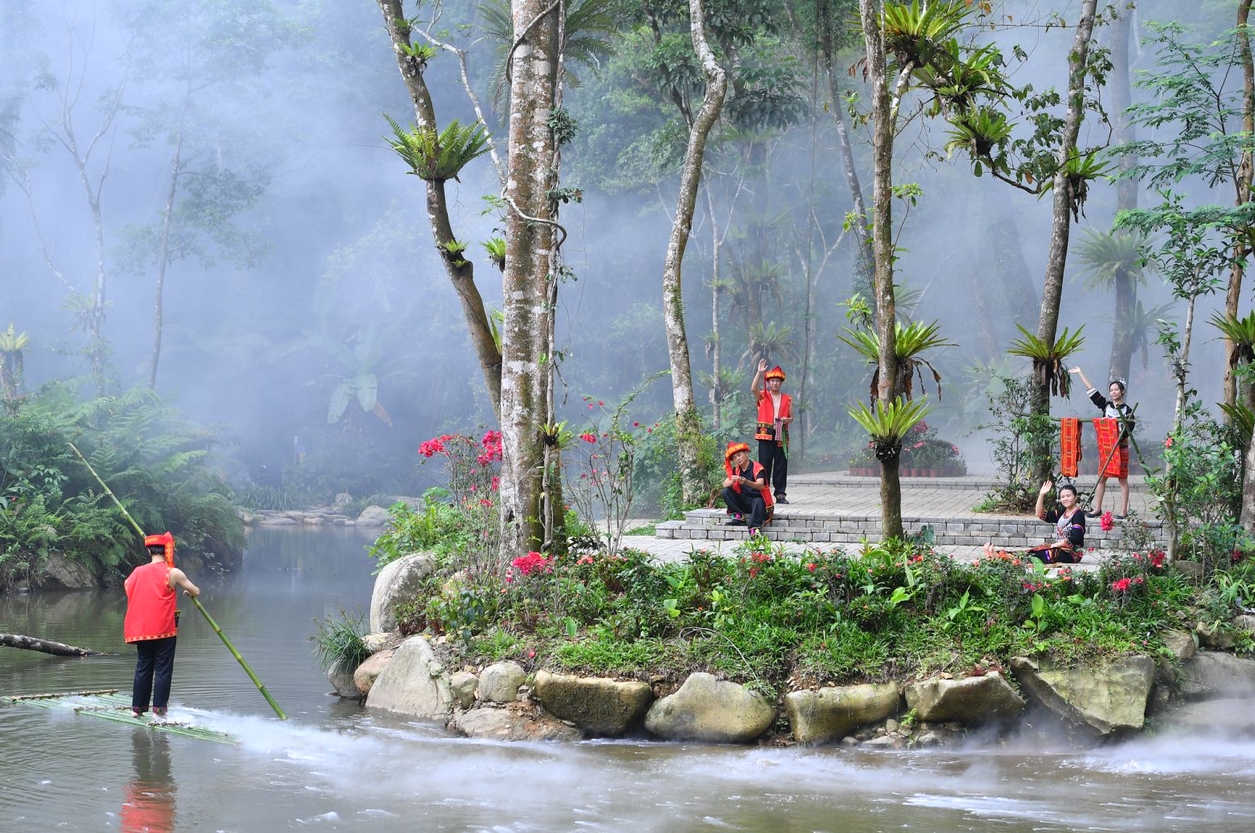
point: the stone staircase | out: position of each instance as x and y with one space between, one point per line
837 509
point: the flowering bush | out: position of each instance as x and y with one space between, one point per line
921 449
605 460
472 469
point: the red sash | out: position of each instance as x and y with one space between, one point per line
1069 446
1110 452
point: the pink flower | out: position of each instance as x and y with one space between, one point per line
811 566
1157 559
1167 443
588 437
1106 522
1120 585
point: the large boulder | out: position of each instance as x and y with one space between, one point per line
972 701
61 573
1214 674
399 581
600 707
708 709
344 682
366 674
373 516
829 714
517 721
413 683
499 682
1110 699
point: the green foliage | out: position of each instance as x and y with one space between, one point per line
763 616
1201 480
338 642
1022 441
438 528
910 340
888 426
438 156
154 462
1049 360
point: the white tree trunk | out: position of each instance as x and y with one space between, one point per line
530 233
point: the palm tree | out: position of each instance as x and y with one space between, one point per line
1116 260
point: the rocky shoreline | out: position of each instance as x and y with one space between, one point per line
505 701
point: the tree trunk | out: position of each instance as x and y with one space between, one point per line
882 239
866 250
530 238
461 271
60 649
163 254
1126 193
693 483
1061 222
1242 185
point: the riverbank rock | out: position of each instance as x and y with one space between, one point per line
365 675
708 709
972 701
1216 675
344 682
1110 699
60 573
499 682
373 516
399 581
464 685
516 721
413 683
829 714
600 707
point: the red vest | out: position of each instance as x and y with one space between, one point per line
150 604
767 418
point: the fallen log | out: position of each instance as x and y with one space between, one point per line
30 643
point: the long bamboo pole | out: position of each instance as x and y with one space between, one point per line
260 686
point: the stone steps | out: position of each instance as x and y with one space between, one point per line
1009 531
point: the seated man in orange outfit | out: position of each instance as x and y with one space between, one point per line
152 623
745 489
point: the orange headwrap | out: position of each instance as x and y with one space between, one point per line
165 540
774 373
733 448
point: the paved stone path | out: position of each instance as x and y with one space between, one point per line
840 493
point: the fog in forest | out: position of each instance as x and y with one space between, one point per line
311 261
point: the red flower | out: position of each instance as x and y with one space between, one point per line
1167 443
531 563
1120 585
1106 522
588 437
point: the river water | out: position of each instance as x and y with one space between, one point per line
333 766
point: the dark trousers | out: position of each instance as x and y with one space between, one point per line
748 502
154 671
775 462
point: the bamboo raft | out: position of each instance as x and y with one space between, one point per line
108 704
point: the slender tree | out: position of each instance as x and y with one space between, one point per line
688 421
436 156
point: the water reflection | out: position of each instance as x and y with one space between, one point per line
148 799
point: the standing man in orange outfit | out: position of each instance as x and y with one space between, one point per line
775 412
152 623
